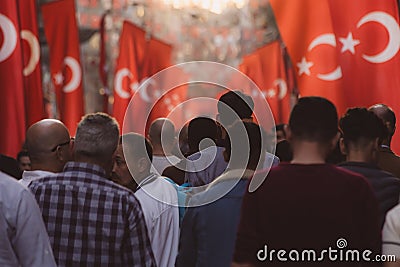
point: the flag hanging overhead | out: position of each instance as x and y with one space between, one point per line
128 71
12 110
63 39
307 31
267 68
347 51
34 106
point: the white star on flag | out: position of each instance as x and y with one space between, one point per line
175 97
304 67
167 101
58 78
271 93
349 43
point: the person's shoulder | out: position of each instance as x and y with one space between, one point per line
8 182
393 215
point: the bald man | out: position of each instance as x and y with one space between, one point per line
163 140
49 147
387 159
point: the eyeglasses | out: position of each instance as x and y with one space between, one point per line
62 144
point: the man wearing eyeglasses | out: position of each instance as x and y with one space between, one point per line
49 147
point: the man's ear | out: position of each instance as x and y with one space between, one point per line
143 164
343 148
377 144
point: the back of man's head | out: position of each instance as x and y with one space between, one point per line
313 119
199 129
136 146
47 142
96 139
360 126
236 145
138 153
239 102
162 134
387 115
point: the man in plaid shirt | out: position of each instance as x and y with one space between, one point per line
92 221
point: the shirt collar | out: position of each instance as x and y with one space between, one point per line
149 179
84 167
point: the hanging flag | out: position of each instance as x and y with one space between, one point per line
62 36
128 72
34 106
266 67
307 32
158 57
364 36
12 110
369 37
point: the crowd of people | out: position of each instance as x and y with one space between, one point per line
328 196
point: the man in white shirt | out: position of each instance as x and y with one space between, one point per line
23 237
162 138
158 197
49 147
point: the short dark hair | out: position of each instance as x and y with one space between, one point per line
200 128
136 146
97 136
162 128
359 124
254 134
22 153
240 103
314 119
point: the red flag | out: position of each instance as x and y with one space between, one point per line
62 37
12 112
34 106
266 67
369 36
128 75
365 36
307 31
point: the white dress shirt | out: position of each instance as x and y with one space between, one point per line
159 201
23 237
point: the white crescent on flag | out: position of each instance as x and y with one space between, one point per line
328 39
282 87
143 89
76 76
119 76
393 29
9 37
34 46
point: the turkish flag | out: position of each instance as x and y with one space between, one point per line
363 38
128 74
307 31
369 39
12 110
266 67
34 106
63 39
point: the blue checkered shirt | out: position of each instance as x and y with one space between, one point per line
92 221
